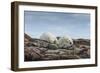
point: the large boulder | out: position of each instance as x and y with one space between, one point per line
33 53
79 42
52 46
27 38
40 43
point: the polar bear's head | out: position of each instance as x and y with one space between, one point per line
65 41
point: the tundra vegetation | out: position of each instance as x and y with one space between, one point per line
51 47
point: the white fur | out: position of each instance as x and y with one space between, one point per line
65 41
48 37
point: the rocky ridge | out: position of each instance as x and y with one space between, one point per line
37 50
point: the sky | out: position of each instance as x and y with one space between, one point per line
75 25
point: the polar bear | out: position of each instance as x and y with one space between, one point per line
48 37
65 42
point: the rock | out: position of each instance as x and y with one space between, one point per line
35 44
77 50
40 43
62 52
52 52
43 49
26 40
52 46
69 57
59 53
32 54
66 52
27 37
79 42
43 44
85 55
84 52
30 44
52 56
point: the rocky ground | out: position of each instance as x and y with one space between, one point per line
38 50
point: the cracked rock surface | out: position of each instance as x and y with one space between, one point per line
38 50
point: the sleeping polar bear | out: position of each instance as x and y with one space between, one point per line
48 37
62 42
65 42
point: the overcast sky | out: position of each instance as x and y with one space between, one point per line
75 25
